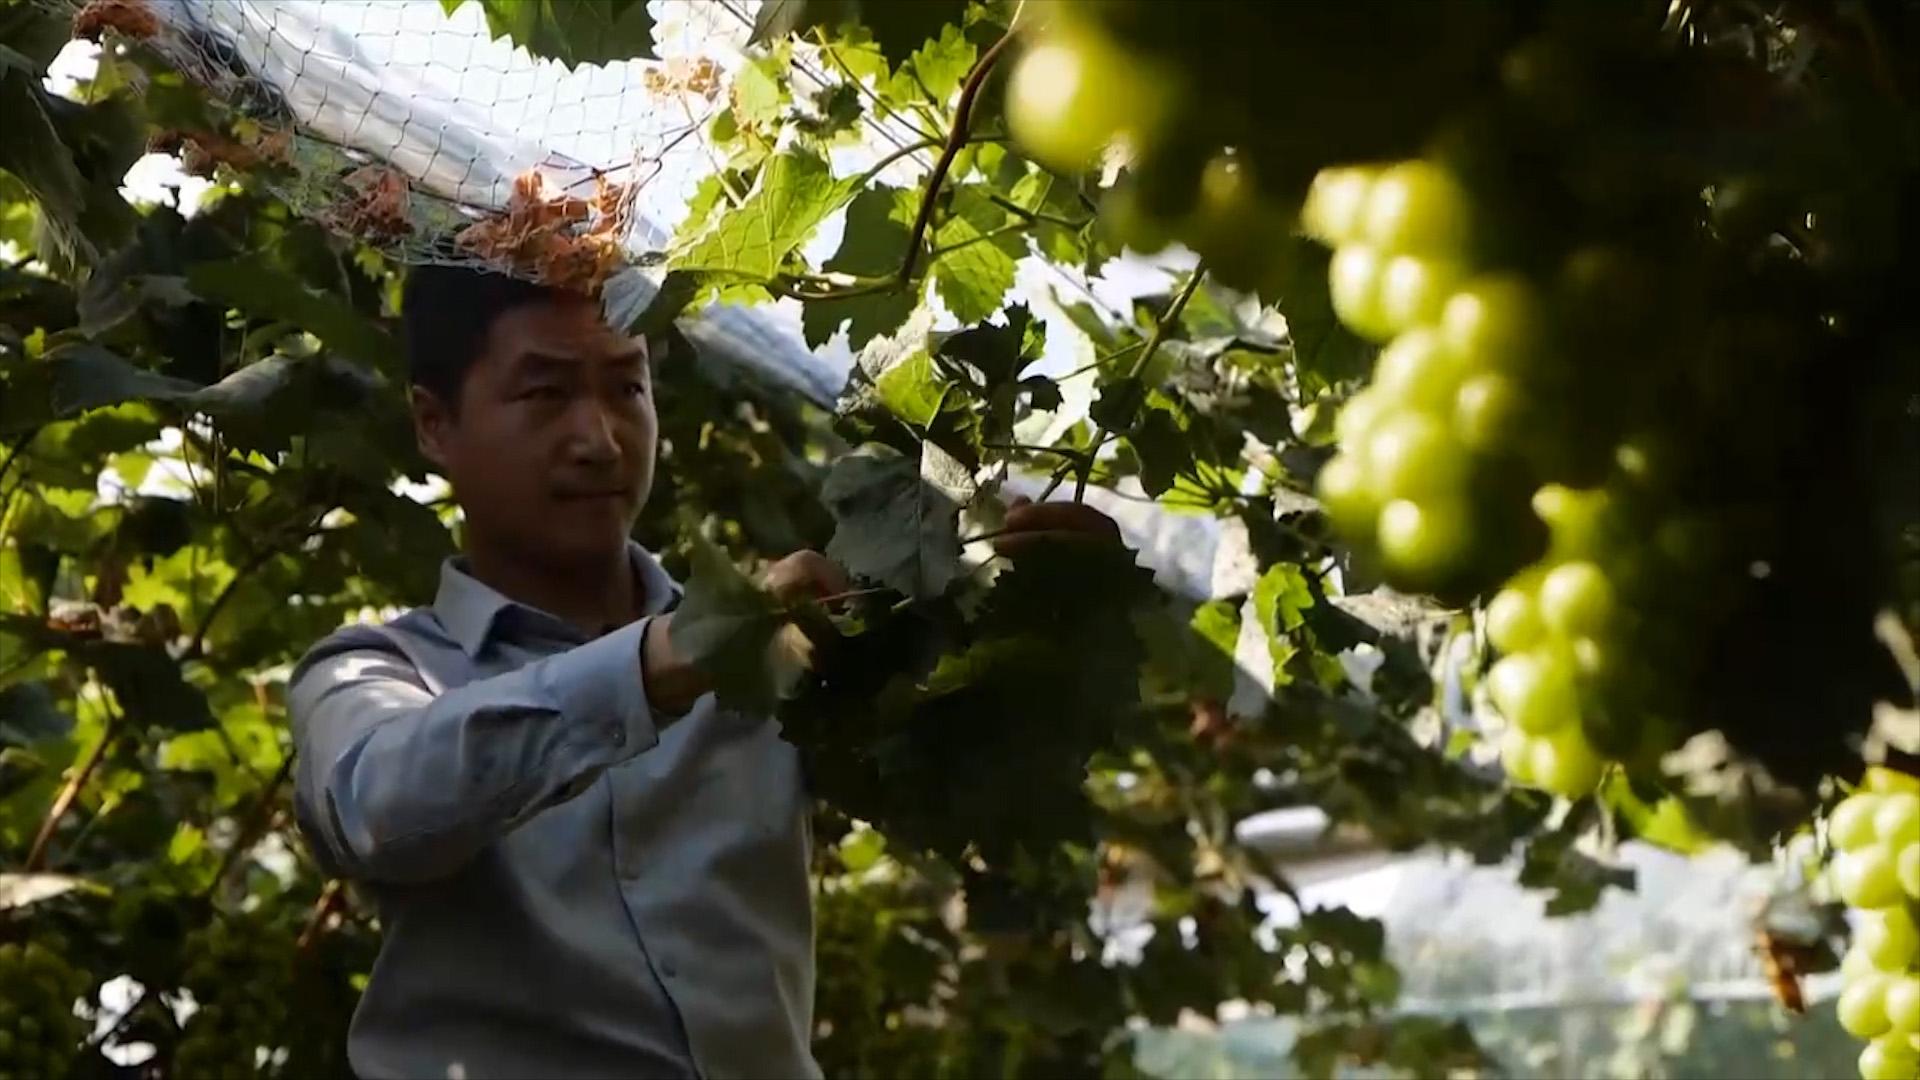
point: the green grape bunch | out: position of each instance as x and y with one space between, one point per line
40 1034
1874 834
237 974
1439 451
1203 167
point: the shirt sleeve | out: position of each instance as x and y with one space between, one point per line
398 784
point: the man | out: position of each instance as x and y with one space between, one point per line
583 865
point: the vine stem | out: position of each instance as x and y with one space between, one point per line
255 827
1104 433
850 594
325 905
69 791
957 138
6 466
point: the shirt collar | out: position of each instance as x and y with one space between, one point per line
468 607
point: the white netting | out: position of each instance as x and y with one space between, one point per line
412 128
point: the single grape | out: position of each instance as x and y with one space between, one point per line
1866 878
1516 757
1495 322
1231 225
1489 411
1897 822
1886 1059
1902 1004
1426 540
1607 288
1416 206
1413 290
1862 1007
1346 496
1580 521
1535 691
1850 826
1411 455
1649 459
1889 939
1125 217
1882 779
1907 869
1593 660
1353 284
1358 417
1416 372
1566 763
1513 621
1576 599
1331 213
1076 90
1856 964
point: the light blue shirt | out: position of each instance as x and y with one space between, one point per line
568 883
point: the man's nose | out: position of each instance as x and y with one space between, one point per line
594 434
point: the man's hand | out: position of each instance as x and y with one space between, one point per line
805 575
673 684
1030 524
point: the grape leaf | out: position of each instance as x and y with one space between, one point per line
1575 878
891 525
795 193
976 269
724 625
24 890
1162 447
941 63
635 303
757 93
28 713
88 377
33 36
778 18
1324 351
898 26
873 243
34 154
1000 352
911 390
1279 598
573 32
255 283
834 110
150 687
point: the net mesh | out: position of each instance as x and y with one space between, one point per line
411 128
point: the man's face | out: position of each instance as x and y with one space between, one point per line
551 450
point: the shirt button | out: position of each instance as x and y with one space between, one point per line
667 969
619 735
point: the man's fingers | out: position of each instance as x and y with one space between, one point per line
806 575
829 577
1033 523
1060 517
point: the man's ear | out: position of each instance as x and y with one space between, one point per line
432 419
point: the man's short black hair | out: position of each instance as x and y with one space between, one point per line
446 312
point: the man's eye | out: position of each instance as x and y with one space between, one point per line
545 393
636 388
